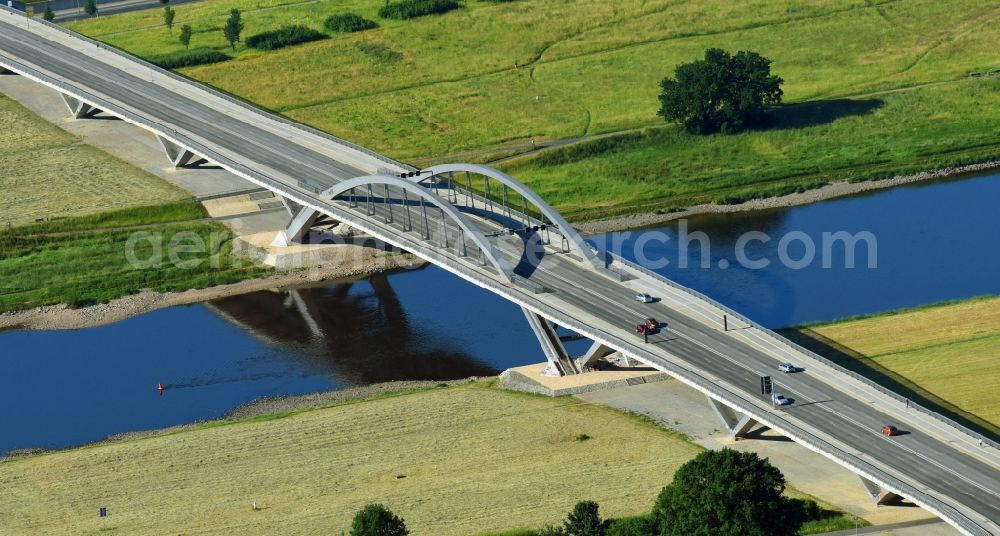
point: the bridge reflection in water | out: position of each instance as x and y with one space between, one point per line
357 332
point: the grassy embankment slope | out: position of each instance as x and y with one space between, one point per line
487 78
948 355
474 457
91 201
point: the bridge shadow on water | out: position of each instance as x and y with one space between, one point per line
355 335
869 368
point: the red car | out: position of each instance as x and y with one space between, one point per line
641 329
889 430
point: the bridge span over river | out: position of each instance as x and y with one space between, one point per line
489 229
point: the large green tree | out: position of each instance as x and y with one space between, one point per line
377 520
726 493
585 520
721 92
90 8
233 28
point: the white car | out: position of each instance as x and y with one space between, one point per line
644 298
787 367
779 399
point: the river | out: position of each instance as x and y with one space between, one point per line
935 242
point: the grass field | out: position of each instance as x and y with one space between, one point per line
45 172
83 267
494 75
948 353
475 459
455 460
807 146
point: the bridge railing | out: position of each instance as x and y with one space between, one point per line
215 92
794 347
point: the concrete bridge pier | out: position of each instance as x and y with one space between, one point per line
177 155
78 109
737 424
560 362
878 494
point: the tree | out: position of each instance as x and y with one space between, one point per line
720 92
726 493
48 15
377 520
584 520
164 1
185 36
90 8
233 28
168 18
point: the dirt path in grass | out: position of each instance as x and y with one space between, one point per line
55 317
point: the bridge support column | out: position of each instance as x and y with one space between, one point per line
879 495
177 155
560 363
297 228
737 424
78 109
596 351
292 207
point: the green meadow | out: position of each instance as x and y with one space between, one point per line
881 87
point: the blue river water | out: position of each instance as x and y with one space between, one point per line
934 242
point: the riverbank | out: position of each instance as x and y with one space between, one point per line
367 261
823 193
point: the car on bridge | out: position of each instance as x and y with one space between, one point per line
787 367
890 430
780 399
644 298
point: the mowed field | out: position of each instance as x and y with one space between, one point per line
475 458
884 87
951 350
46 172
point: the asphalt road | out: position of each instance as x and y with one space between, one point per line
820 403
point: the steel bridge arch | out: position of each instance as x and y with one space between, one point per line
491 254
575 240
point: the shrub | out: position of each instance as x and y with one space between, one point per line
377 520
410 9
379 52
348 22
584 520
283 37
188 58
631 526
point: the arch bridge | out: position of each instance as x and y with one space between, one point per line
486 227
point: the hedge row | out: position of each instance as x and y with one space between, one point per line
287 36
409 9
349 22
188 58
